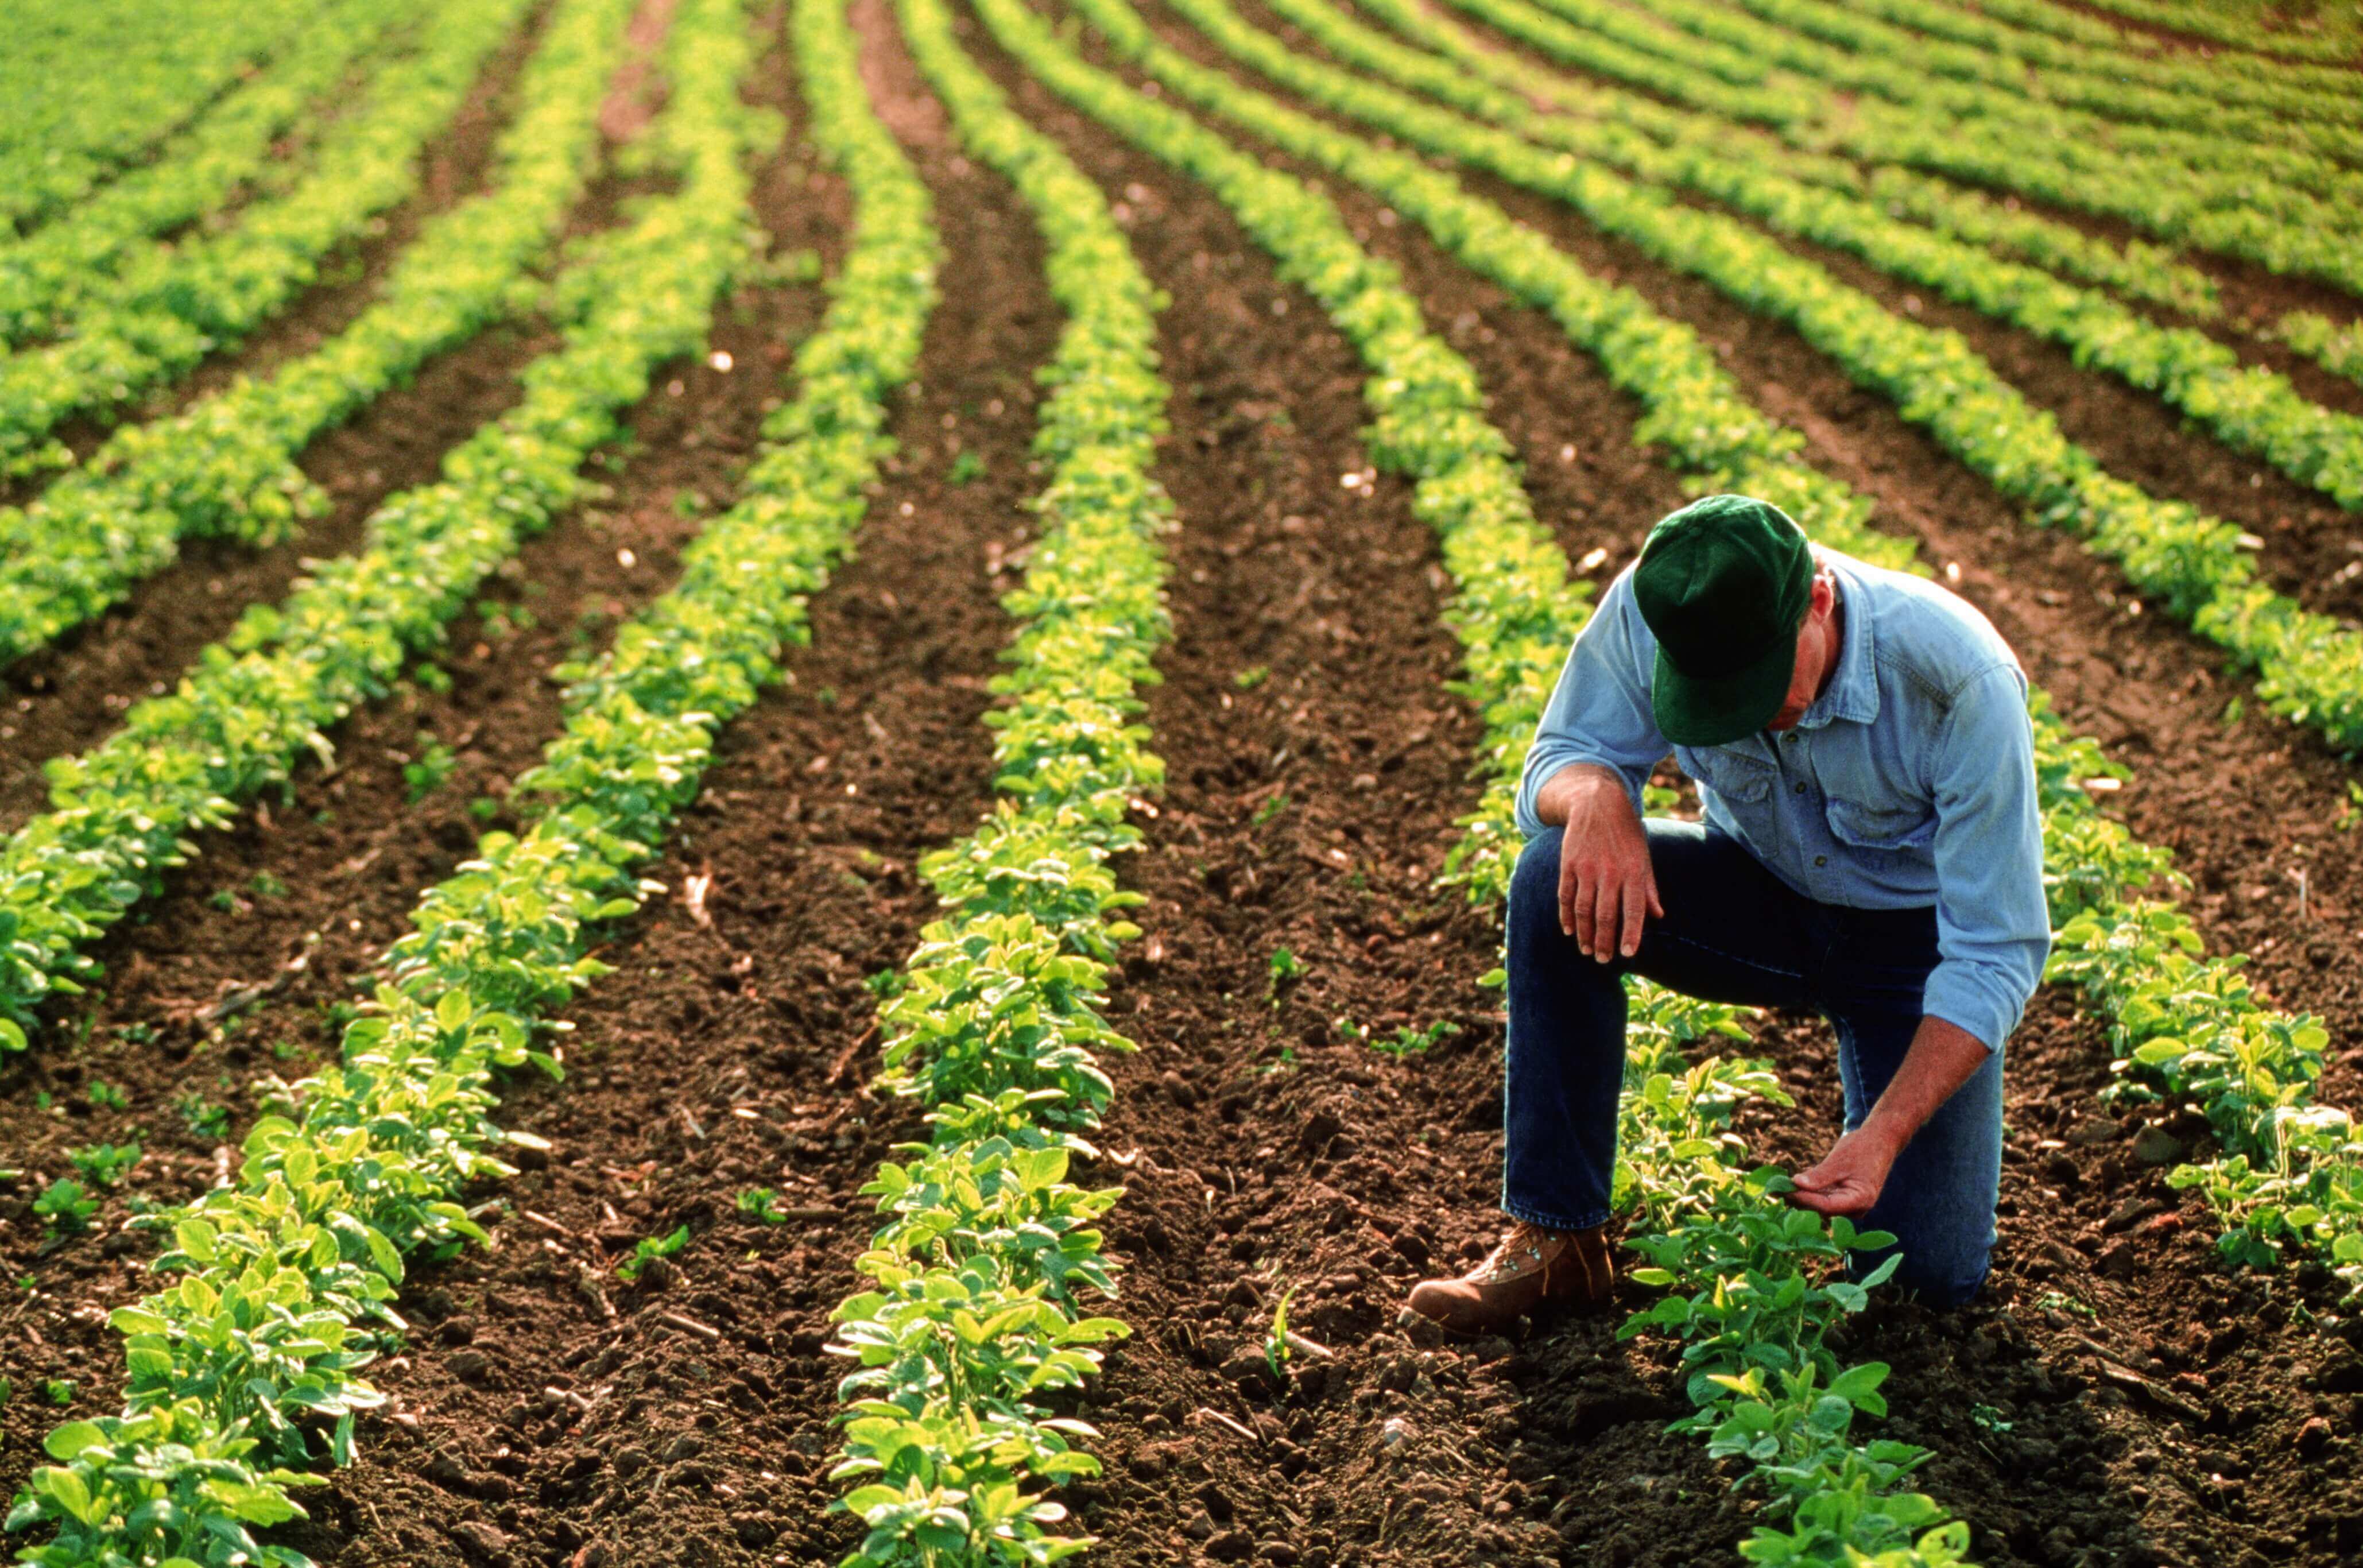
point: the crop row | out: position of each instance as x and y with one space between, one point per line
2045 17
1756 1285
2286 231
1996 32
2250 408
2186 1022
286 1278
2224 26
972 1314
256 701
2138 268
226 465
1862 44
81 95
175 304
232 144
2310 666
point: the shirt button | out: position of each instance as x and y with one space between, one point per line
1801 787
1821 860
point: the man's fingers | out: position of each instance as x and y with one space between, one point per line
1587 892
1637 904
1567 891
1602 944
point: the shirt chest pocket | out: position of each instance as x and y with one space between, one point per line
1889 825
1740 780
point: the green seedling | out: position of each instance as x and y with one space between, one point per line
105 1165
1251 677
59 1390
1285 966
966 469
1270 809
424 773
763 1204
652 1246
1275 1343
63 1208
106 1096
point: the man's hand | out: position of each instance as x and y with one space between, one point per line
1606 887
1849 1177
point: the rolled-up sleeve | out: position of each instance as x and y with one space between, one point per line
1599 712
1993 930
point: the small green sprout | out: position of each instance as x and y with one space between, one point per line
1270 809
1251 677
763 1204
106 1096
425 773
1275 1343
105 1165
966 469
649 1248
63 1208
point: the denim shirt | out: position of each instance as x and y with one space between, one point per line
1910 782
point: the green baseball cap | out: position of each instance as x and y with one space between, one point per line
1723 584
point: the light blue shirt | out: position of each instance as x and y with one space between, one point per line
1910 782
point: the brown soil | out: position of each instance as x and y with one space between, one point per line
70 695
241 970
2118 1397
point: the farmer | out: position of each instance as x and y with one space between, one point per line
1870 851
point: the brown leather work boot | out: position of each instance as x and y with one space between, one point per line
1533 1268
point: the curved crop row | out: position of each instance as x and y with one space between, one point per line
2336 348
1783 66
2293 1170
2286 233
1991 30
1870 45
2056 21
2214 24
1757 1286
286 1277
2251 410
163 314
262 697
81 95
2309 666
226 466
2137 269
972 1312
43 275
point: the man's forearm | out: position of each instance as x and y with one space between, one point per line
1553 801
1942 1058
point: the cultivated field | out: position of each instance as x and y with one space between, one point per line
757 760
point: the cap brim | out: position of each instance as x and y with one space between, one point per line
1692 712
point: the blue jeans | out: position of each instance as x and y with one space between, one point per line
1734 932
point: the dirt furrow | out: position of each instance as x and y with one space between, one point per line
239 973
729 1050
1967 1385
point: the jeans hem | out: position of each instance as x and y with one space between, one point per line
1552 1221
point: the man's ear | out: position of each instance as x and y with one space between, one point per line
1826 595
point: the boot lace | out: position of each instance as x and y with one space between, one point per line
1521 1252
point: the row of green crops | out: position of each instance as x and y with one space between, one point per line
254 1354
1867 46
234 144
2137 268
2250 408
256 701
2233 78
81 95
2310 666
226 466
2339 350
1799 69
2228 25
2245 217
1757 1285
2186 1023
174 305
972 1316
2052 20
1776 66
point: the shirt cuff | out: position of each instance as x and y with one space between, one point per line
1974 1000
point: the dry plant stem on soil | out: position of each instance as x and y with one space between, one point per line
1767 1383
309 1243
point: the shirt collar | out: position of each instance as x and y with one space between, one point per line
1853 691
